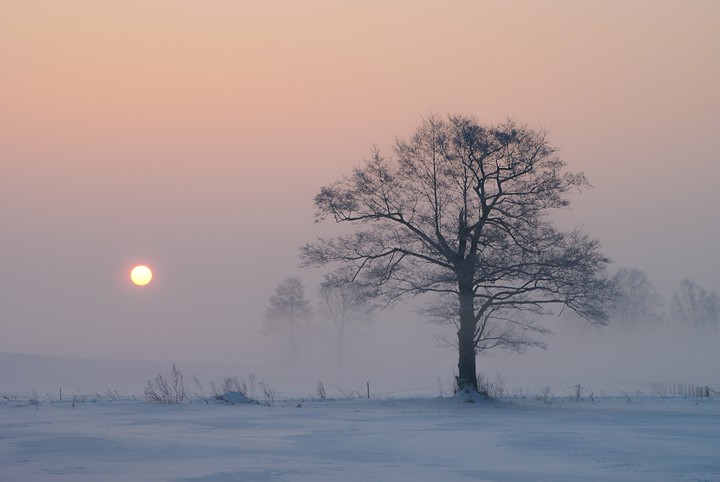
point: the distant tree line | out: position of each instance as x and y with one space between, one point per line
344 311
638 305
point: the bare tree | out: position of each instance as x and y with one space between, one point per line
637 302
694 306
460 212
348 307
288 315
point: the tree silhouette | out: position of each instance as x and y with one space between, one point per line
460 212
694 306
348 307
637 302
288 315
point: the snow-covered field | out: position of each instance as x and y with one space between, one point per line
633 438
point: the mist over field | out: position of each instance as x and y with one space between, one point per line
196 144
193 138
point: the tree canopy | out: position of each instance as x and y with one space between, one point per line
460 212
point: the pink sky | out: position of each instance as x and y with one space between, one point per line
193 136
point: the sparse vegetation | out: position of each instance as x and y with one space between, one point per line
171 388
348 393
230 384
202 390
441 388
168 389
320 391
268 392
545 394
492 388
109 395
234 390
10 399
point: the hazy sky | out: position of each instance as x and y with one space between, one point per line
193 136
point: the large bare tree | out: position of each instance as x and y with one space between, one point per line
461 211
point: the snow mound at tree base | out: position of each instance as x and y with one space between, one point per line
470 396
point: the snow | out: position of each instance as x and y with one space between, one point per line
634 438
101 432
233 398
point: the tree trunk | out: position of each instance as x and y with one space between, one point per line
293 355
339 346
467 374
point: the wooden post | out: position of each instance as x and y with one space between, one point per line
368 389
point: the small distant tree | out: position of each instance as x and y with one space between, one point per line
694 306
637 302
288 315
348 307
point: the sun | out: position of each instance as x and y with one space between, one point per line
141 275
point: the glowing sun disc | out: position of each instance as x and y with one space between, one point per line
141 275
